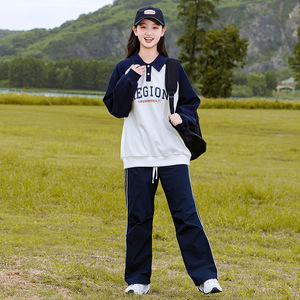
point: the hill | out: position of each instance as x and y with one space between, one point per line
270 26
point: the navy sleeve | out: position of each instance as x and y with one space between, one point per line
188 102
120 90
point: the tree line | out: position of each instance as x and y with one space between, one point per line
254 84
62 74
94 75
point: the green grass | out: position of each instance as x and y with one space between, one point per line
63 213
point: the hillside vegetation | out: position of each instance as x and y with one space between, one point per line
270 26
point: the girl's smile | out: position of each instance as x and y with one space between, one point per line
148 40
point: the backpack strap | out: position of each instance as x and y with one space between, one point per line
172 66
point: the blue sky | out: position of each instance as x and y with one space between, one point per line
29 14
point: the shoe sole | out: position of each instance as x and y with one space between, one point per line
213 291
132 292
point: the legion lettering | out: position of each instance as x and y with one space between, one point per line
151 91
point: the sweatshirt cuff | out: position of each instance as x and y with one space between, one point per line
133 76
182 127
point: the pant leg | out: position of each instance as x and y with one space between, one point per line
139 192
193 243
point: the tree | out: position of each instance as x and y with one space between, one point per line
197 16
40 73
222 51
257 82
64 78
27 72
209 55
294 61
105 70
15 72
76 67
51 75
7 50
4 67
240 78
90 73
271 81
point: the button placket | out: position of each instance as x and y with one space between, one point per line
148 72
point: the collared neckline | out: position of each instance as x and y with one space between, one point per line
158 63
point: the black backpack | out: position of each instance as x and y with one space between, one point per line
191 137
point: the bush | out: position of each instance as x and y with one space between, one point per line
250 103
243 91
24 99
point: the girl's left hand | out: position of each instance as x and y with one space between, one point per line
141 70
175 119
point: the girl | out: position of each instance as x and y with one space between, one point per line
152 150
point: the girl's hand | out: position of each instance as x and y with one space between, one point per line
175 119
139 69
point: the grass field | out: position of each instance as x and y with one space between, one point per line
63 213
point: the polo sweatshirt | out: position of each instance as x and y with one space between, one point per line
148 137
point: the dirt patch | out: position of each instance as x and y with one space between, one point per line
18 283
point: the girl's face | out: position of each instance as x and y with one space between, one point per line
149 33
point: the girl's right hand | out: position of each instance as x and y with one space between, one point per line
139 69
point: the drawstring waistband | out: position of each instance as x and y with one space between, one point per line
154 174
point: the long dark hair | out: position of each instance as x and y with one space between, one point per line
133 44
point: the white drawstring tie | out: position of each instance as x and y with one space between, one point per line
154 174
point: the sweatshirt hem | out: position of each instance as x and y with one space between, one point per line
155 161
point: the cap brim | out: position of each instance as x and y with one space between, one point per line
148 17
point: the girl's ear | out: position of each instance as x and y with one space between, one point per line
134 30
163 31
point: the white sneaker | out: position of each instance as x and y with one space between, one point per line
138 289
210 286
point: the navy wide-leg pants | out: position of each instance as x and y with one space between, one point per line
140 187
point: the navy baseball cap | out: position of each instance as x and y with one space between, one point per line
149 12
